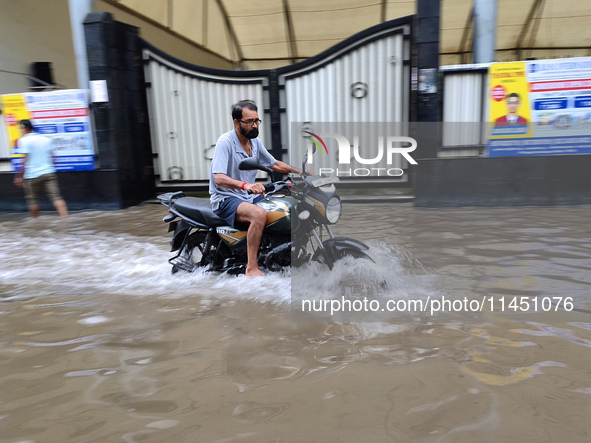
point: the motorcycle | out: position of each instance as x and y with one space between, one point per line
297 231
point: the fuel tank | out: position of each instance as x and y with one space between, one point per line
278 210
278 213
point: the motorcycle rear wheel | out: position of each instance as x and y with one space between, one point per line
191 254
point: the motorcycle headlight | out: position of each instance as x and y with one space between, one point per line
333 210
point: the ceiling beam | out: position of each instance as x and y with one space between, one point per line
469 26
204 21
534 12
233 39
165 28
169 14
292 48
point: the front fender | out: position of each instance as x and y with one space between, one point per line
343 243
336 248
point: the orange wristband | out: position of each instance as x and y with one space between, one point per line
243 185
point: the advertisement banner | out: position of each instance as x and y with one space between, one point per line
62 116
540 107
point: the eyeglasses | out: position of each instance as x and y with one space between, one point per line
251 121
513 103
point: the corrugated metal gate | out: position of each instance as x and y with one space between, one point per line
363 79
365 83
465 108
189 109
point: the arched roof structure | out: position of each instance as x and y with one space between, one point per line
255 34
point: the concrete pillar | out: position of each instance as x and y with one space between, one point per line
79 9
485 30
428 112
121 124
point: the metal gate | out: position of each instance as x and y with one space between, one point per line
190 107
364 79
465 109
357 85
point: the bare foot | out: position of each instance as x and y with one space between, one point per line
256 272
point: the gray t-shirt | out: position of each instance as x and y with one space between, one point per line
226 158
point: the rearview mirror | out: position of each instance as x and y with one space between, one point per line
250 164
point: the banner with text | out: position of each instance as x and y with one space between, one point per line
540 107
62 116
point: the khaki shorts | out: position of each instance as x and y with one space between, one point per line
34 186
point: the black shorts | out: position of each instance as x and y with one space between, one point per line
228 207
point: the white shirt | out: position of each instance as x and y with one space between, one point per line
39 160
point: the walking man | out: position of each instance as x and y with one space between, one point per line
38 171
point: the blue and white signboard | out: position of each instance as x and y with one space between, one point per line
63 116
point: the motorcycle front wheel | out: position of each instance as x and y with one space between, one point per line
329 256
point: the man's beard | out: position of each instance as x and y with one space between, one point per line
253 133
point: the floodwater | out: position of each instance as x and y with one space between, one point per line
99 342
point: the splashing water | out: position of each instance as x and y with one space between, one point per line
83 261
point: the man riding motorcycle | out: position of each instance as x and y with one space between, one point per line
234 191
298 212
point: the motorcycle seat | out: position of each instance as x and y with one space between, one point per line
199 210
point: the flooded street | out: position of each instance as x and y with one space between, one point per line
99 342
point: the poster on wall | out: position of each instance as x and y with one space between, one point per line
540 107
62 116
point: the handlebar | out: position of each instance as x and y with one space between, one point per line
271 187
